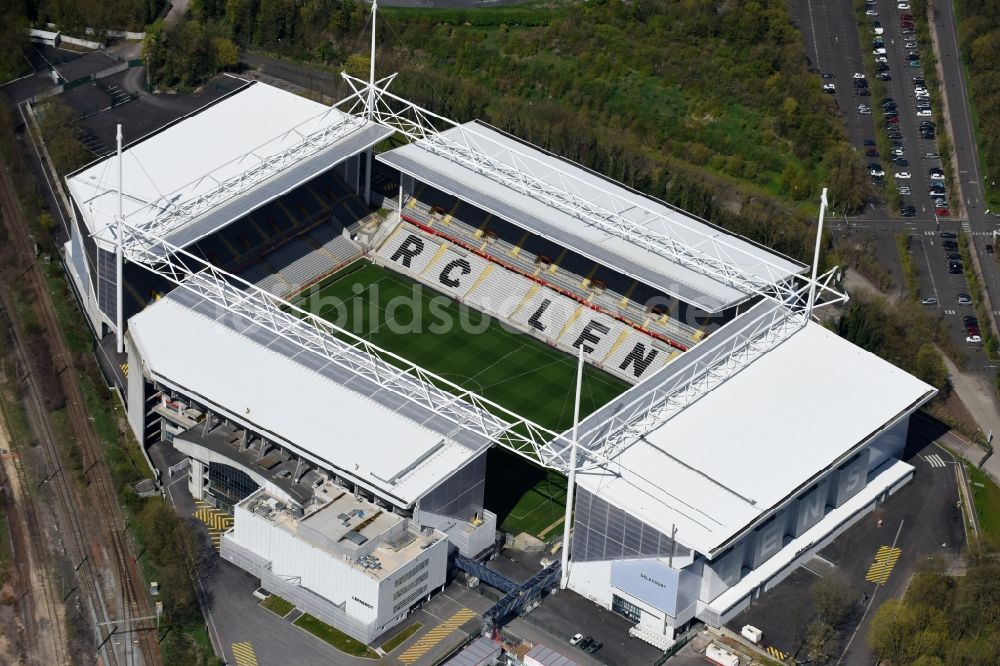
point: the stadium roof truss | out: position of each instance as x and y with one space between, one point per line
311 333
308 138
784 310
561 190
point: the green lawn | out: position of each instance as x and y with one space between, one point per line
505 366
986 497
400 638
335 637
277 605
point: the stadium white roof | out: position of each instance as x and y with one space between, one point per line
222 162
731 457
427 162
337 419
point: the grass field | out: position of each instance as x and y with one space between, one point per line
986 496
503 365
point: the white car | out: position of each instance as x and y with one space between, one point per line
864 110
881 58
930 300
878 31
973 338
829 88
923 113
872 12
903 6
910 45
858 75
576 639
937 176
903 190
877 173
879 51
902 175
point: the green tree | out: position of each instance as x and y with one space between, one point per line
226 53
891 634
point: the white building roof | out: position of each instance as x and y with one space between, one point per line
424 161
738 452
293 397
195 176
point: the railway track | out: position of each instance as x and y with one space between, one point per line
134 603
32 553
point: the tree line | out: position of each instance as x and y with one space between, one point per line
943 620
979 39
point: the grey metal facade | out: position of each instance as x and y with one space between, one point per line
602 531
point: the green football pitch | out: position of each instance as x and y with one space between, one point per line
475 352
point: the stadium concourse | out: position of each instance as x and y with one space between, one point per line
354 351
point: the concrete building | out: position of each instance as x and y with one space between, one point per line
344 560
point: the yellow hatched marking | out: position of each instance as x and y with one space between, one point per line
437 255
482 277
776 653
244 655
885 560
412 203
124 367
436 635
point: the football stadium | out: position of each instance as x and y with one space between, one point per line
358 327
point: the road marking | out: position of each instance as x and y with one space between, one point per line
776 653
217 522
950 312
244 655
436 635
934 460
885 560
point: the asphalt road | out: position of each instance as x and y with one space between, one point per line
922 520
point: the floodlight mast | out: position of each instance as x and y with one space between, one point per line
571 484
119 255
370 111
815 267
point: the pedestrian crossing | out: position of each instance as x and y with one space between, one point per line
218 522
776 653
935 460
951 312
965 229
885 560
435 636
244 655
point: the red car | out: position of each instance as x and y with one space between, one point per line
906 24
892 119
942 212
906 17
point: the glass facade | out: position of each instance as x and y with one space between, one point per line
602 531
625 608
107 280
229 485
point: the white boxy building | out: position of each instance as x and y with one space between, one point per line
346 561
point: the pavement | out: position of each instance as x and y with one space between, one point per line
923 521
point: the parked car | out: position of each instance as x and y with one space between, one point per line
930 300
989 248
829 88
576 639
864 110
963 299
973 339
595 646
902 175
585 643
